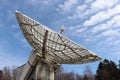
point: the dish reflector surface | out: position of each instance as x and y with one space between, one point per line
52 46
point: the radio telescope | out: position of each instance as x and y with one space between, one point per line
49 50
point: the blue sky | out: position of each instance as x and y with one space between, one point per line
93 24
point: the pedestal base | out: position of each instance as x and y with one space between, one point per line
44 71
41 71
37 69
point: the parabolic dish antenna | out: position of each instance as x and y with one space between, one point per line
51 46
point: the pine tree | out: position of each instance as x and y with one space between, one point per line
107 70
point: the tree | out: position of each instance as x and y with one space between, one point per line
1 74
14 74
78 77
107 70
61 75
8 73
85 77
88 74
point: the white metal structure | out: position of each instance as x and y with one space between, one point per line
50 47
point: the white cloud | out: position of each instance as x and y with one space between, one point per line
67 6
103 4
88 1
100 28
113 23
80 30
111 33
97 10
92 8
34 2
102 15
80 12
103 37
111 41
71 28
81 8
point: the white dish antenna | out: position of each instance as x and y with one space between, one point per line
53 46
50 46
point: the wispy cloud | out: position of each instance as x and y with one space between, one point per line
93 23
88 1
111 33
67 6
103 4
106 17
110 24
92 7
36 2
102 16
98 23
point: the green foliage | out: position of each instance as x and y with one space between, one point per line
107 70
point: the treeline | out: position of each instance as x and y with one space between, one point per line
107 70
62 75
8 73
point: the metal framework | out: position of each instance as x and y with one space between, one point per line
51 46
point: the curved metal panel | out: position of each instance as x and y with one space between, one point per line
53 46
